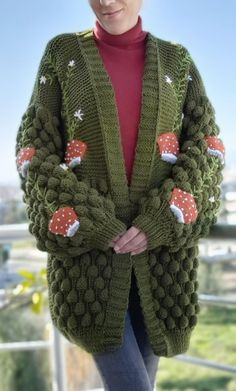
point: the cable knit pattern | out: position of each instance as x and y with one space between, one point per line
72 172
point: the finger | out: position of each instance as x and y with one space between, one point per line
128 236
142 244
134 244
128 245
118 236
113 242
140 250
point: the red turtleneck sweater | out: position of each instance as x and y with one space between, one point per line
123 56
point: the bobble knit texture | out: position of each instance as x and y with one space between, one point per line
88 282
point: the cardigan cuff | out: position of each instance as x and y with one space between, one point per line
106 232
158 227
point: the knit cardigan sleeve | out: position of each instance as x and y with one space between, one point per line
55 199
185 206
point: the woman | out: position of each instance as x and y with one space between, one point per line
121 166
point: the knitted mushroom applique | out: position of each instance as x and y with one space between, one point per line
76 148
64 222
23 159
183 205
168 146
75 152
215 147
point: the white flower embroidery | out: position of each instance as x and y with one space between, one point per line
212 199
71 63
168 79
64 166
78 114
189 77
42 79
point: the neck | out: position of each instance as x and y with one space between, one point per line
131 36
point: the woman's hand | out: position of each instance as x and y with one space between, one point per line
133 240
113 242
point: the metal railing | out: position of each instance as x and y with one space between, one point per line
10 233
56 346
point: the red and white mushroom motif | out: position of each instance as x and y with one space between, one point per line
168 146
64 222
183 205
24 158
75 152
216 147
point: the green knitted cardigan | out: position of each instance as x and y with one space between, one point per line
88 283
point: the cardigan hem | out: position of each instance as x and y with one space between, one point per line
96 341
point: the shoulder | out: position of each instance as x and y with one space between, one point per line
170 45
60 48
64 40
172 54
60 40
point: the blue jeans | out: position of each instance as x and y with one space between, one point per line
133 366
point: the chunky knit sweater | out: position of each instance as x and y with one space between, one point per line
72 172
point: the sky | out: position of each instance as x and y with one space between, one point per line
205 27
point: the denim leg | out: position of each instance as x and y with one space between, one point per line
151 360
123 369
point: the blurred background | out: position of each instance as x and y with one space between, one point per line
33 356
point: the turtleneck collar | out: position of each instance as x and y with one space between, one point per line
131 37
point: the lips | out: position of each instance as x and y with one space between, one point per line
111 13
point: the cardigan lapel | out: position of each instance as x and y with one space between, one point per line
150 119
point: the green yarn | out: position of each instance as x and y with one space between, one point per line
88 282
190 174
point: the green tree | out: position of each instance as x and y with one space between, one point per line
27 370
